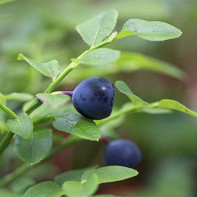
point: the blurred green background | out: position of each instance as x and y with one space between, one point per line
45 30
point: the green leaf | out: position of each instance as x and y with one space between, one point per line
122 87
50 69
53 100
72 175
82 189
22 184
95 30
131 61
44 189
150 110
19 96
163 106
5 1
43 120
35 148
3 99
149 30
110 174
21 126
100 57
171 104
77 125
5 193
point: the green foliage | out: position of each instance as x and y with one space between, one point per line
83 189
100 57
132 61
22 184
84 182
110 174
77 125
44 189
171 104
72 175
50 69
22 126
141 105
33 141
36 148
43 120
129 62
19 96
53 100
149 30
122 87
95 30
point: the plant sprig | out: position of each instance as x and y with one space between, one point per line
96 32
37 103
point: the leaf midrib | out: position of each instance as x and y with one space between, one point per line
98 29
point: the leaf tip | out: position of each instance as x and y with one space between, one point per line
180 33
20 56
136 172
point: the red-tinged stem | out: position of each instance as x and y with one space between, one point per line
69 93
104 140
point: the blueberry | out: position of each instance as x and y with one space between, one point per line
122 153
93 98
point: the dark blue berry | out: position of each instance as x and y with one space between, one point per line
93 98
122 153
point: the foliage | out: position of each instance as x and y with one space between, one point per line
34 142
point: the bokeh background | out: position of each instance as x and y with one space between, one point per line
45 30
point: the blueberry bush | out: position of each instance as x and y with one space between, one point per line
94 118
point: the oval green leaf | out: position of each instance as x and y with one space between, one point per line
36 148
50 69
149 30
82 189
111 174
171 104
78 125
44 189
22 126
95 30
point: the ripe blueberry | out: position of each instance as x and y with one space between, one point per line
93 98
122 153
